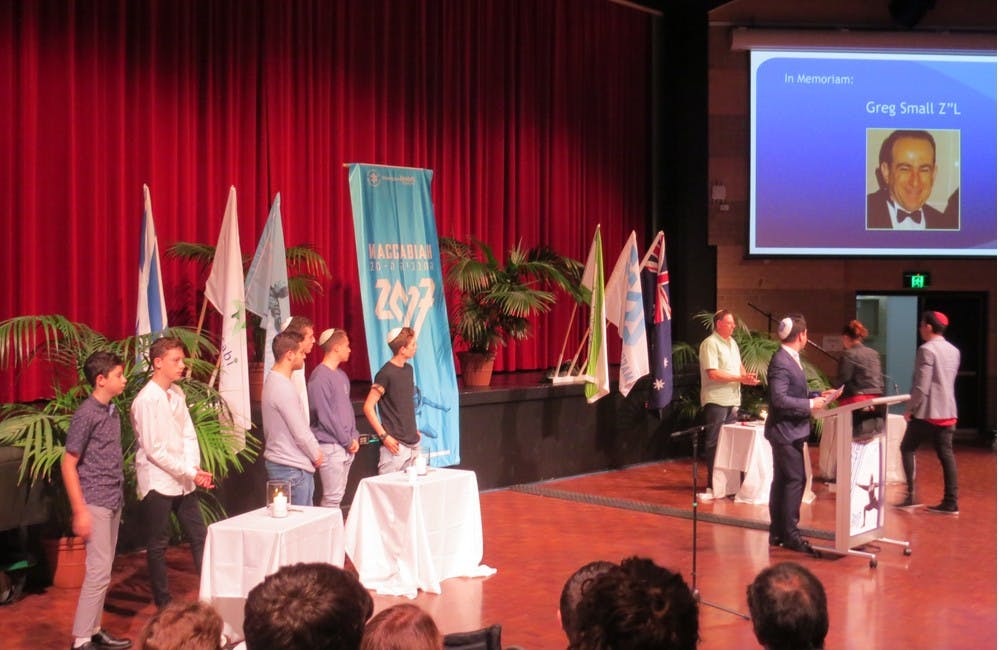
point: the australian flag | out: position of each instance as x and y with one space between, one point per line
656 300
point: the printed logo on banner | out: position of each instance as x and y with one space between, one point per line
373 179
405 305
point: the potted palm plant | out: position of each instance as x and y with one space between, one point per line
39 428
493 301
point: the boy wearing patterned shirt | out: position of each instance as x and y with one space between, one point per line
92 474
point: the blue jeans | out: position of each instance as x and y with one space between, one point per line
301 480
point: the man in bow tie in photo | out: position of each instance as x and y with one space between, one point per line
906 172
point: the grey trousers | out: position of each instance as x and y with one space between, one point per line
389 462
333 473
100 556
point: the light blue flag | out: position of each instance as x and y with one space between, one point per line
151 309
399 265
267 281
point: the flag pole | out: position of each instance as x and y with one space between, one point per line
583 342
569 378
197 330
569 327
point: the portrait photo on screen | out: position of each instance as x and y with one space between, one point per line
914 179
872 153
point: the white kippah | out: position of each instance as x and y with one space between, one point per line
285 323
784 328
325 336
393 333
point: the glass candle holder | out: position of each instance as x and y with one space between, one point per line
279 496
420 456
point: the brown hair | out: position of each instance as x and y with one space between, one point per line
298 325
336 338
183 626
161 346
856 330
306 606
285 342
402 627
406 334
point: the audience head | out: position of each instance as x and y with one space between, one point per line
183 626
306 607
573 591
788 608
402 627
637 605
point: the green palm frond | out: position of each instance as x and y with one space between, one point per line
494 299
202 254
40 428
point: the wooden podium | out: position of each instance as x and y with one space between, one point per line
861 449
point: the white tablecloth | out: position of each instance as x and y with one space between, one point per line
896 426
241 551
404 536
743 448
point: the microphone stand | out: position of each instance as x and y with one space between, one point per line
693 433
771 319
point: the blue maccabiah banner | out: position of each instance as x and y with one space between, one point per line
399 266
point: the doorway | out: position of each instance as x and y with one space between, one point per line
892 322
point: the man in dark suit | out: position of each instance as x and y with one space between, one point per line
787 428
906 172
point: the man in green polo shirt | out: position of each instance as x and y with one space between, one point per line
722 373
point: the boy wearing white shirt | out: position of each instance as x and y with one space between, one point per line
167 463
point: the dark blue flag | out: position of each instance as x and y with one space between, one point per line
656 301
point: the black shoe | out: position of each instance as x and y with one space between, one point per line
943 509
774 541
104 639
89 645
801 546
908 502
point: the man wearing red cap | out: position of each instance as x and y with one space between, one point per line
931 412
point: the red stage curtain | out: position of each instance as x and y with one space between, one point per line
534 116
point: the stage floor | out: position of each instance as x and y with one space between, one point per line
943 596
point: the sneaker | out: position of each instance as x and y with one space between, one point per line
706 496
943 509
907 502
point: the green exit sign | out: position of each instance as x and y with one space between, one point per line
916 280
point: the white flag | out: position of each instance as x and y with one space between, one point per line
224 290
267 281
151 309
623 301
597 357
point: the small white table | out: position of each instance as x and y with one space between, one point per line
241 551
403 536
743 448
895 428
